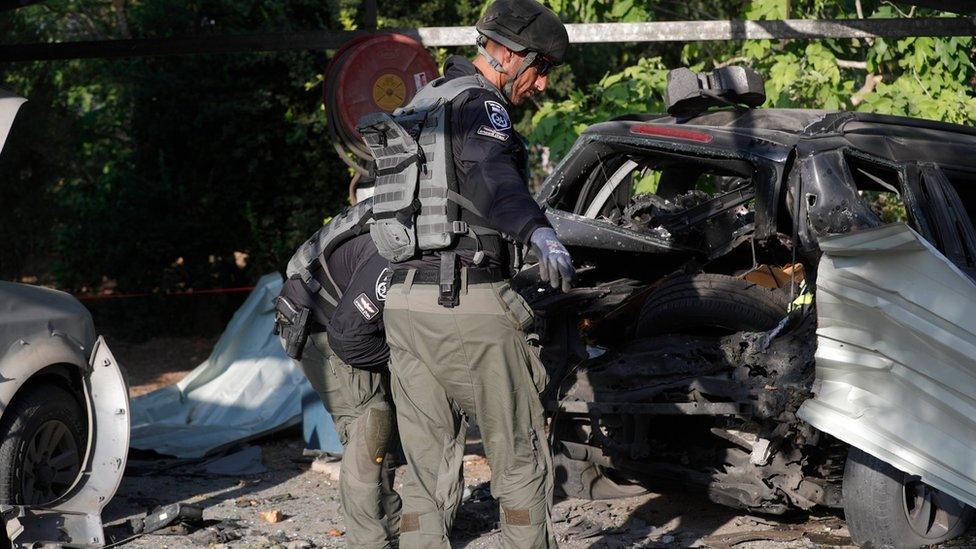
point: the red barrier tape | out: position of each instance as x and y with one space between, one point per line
100 297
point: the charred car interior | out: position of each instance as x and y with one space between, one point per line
745 321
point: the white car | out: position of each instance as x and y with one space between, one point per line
64 412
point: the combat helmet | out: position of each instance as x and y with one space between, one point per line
522 25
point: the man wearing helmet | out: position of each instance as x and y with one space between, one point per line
466 354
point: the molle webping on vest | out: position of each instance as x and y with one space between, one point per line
416 204
309 262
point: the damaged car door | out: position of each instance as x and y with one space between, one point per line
896 365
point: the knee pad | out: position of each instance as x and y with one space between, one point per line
375 427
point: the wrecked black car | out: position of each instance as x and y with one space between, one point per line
773 305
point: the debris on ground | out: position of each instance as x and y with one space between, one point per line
245 501
582 528
273 516
729 540
176 515
311 517
224 531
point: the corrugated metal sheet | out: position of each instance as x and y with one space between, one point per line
896 357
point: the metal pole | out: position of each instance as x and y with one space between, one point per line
663 31
369 14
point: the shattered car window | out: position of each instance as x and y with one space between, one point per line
880 187
669 195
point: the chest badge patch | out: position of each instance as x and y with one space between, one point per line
488 131
366 307
497 115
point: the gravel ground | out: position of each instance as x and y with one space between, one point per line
306 497
307 501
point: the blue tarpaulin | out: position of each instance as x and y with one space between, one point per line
248 387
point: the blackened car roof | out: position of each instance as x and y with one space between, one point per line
895 137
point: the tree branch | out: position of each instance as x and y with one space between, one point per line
849 64
870 82
732 61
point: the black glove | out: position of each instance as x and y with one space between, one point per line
555 265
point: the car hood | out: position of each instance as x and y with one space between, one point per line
27 312
9 105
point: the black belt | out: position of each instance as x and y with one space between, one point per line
433 276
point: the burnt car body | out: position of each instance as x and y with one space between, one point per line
693 350
64 413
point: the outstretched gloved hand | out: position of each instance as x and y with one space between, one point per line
555 265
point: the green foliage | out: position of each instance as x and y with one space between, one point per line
889 207
919 77
160 169
153 172
638 88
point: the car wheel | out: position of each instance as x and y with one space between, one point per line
711 304
44 437
885 507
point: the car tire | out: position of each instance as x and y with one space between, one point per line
885 507
44 438
711 304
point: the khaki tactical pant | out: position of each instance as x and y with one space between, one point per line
359 403
472 359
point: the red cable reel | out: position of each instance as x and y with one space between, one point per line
371 73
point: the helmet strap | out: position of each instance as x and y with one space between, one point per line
495 63
526 63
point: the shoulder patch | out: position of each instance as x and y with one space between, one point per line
366 307
383 284
497 115
491 132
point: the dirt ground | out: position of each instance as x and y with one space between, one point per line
160 361
306 497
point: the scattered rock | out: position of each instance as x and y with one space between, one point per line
298 544
222 532
245 501
273 516
582 528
